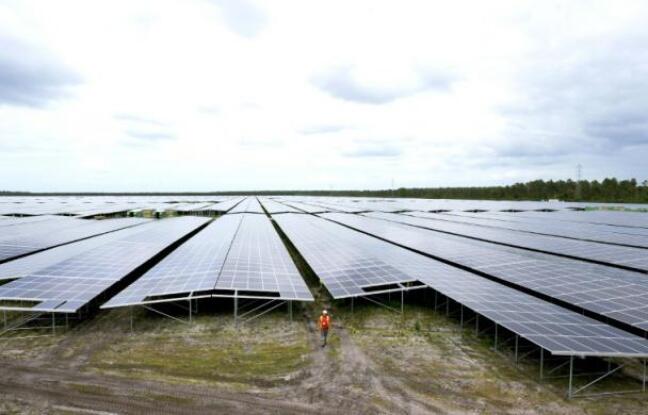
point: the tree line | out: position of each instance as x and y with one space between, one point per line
607 190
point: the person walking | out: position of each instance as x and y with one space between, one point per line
324 324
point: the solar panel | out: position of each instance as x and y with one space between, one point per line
555 220
304 207
560 331
249 205
21 267
240 253
631 220
612 293
75 281
223 206
348 263
582 231
42 235
259 261
551 327
274 207
192 267
631 258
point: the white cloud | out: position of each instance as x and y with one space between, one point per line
206 94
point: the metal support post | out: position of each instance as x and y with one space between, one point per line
4 318
516 349
290 310
436 295
351 305
67 322
447 306
461 318
643 383
541 363
403 302
571 376
53 324
495 337
131 319
190 307
235 309
477 325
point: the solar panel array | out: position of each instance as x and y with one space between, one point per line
633 258
68 285
587 232
259 261
35 236
274 207
555 220
304 207
560 331
610 218
21 267
241 253
346 261
249 205
612 293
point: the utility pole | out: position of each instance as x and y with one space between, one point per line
579 171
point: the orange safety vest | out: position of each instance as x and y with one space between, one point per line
324 322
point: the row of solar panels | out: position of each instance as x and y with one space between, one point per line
241 255
96 205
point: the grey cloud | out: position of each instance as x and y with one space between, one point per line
624 129
597 86
242 17
30 76
340 83
151 135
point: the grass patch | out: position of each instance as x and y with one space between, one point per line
262 354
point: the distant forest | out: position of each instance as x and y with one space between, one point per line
608 190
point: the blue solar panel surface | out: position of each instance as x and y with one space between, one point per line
75 281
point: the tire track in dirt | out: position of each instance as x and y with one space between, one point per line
74 389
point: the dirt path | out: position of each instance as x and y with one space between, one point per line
70 388
346 380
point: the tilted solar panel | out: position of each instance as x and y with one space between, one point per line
43 237
612 293
631 258
560 331
582 231
75 281
21 267
238 255
273 206
259 261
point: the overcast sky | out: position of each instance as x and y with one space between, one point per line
224 95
